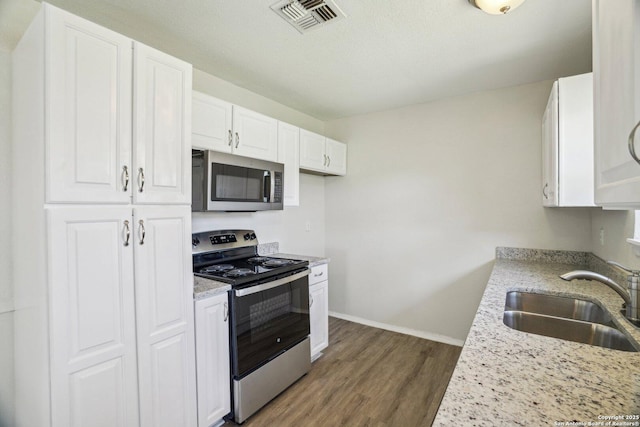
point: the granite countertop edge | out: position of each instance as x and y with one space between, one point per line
508 377
206 288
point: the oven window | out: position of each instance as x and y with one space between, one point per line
268 322
235 183
262 313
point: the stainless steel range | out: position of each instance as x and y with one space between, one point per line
269 309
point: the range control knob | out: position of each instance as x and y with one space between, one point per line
195 242
253 236
247 236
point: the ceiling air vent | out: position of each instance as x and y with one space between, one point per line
305 15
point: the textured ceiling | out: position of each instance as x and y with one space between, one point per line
384 54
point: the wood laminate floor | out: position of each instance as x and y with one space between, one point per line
367 377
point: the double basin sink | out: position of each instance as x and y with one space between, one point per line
567 318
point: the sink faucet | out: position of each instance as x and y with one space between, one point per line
631 296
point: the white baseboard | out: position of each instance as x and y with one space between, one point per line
420 334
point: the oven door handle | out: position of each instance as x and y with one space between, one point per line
270 285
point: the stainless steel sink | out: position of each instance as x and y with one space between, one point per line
570 319
553 305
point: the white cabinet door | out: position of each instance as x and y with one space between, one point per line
254 135
92 312
616 45
162 127
336 157
164 304
212 355
319 317
550 150
211 124
88 111
289 154
575 141
312 151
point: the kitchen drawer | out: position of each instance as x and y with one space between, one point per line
319 273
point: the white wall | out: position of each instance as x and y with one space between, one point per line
6 291
288 227
617 227
431 190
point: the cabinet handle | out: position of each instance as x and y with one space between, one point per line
310 300
125 178
324 163
632 148
237 140
544 193
318 274
230 138
140 180
328 161
127 233
226 311
141 231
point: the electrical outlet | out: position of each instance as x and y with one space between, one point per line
601 236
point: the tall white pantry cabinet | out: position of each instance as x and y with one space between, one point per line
103 285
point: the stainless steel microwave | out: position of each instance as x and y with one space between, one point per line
226 182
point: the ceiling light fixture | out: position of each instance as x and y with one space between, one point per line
496 7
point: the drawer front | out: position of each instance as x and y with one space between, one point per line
319 273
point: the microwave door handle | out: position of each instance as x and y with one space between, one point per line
266 186
272 187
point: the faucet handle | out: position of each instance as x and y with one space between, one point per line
628 270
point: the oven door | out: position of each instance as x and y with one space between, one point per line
267 319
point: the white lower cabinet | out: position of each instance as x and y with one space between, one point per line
319 309
94 380
212 355
164 315
121 331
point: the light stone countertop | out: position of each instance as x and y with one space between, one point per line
205 288
313 260
508 377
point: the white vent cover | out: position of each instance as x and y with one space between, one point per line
306 15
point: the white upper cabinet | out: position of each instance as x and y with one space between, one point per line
254 134
336 157
312 151
162 129
567 143
221 126
322 155
616 69
289 155
211 123
88 111
107 139
550 150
